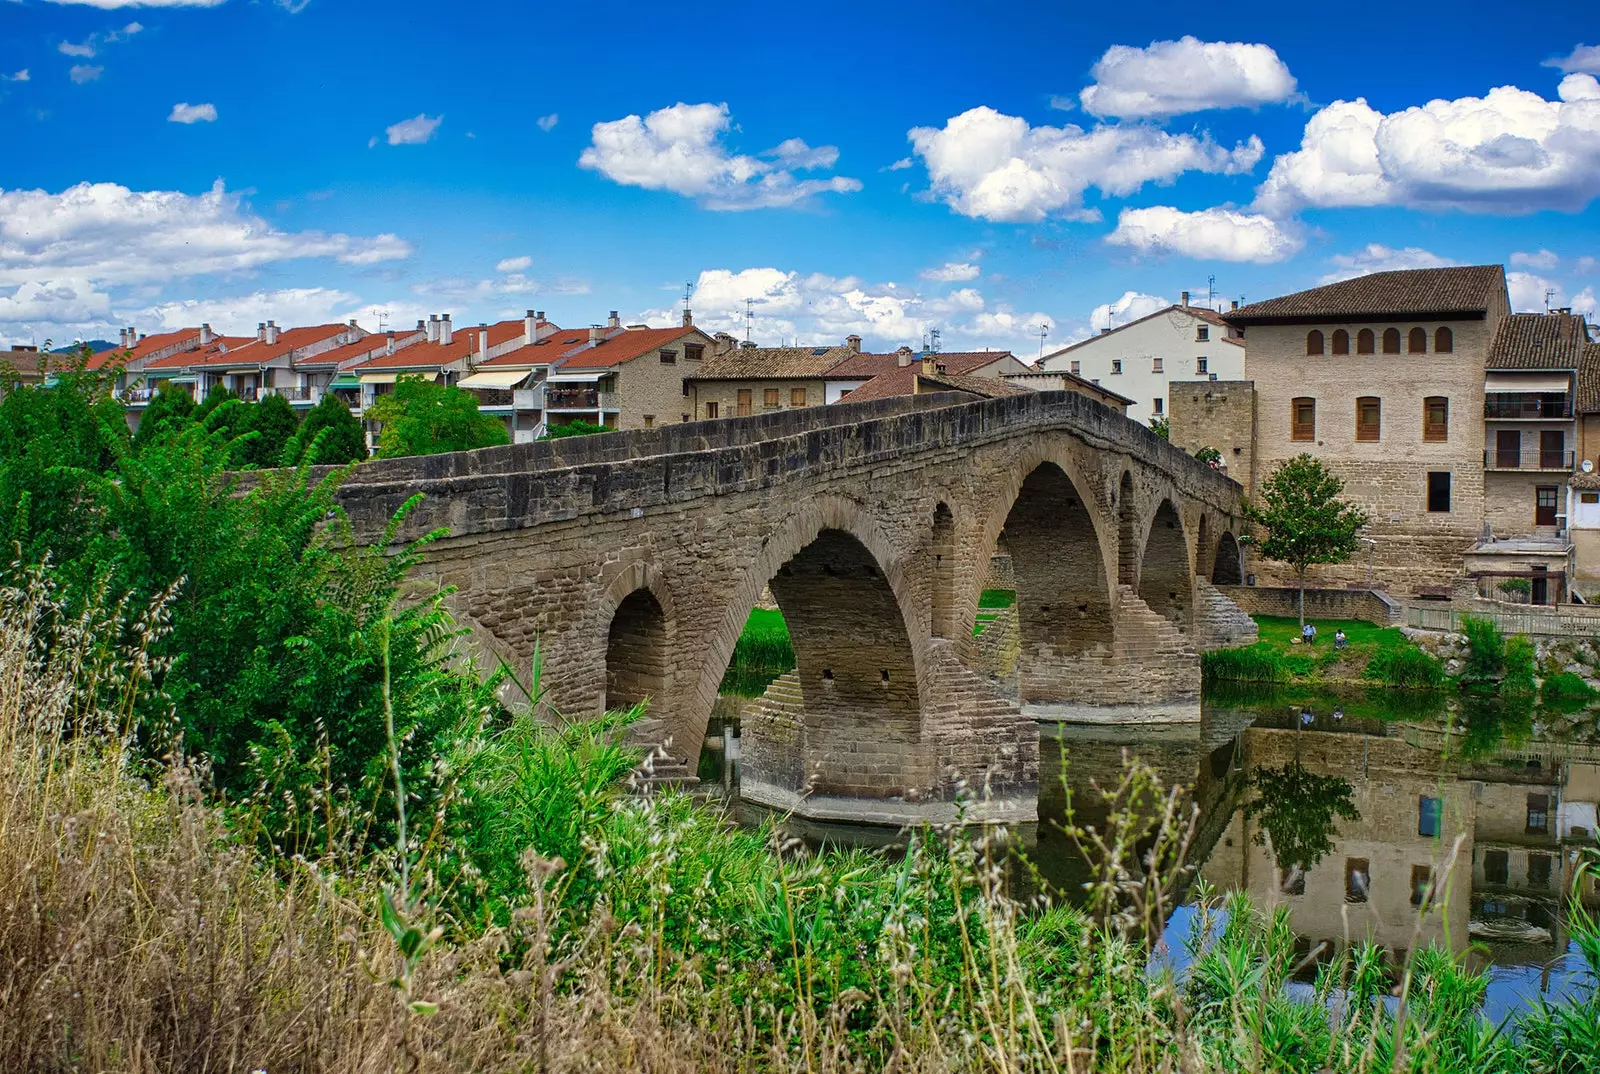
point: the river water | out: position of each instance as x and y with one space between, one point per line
1354 811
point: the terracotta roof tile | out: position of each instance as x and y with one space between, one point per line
986 387
199 355
364 347
755 363
902 380
960 363
1589 379
1538 341
1463 291
146 347
623 345
464 341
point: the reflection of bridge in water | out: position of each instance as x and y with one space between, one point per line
633 561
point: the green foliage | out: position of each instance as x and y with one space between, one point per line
423 418
1306 521
1519 666
1407 668
1251 663
1518 586
762 653
1566 686
274 423
329 435
1162 427
1486 651
1297 812
576 427
1209 455
997 598
169 411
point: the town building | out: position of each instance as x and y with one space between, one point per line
1583 487
1140 359
930 374
1045 380
861 366
746 379
626 378
251 368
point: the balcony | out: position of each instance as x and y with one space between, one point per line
137 396
510 398
295 395
581 399
1546 461
1508 407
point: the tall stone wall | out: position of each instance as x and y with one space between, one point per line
1218 414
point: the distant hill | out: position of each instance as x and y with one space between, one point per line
95 345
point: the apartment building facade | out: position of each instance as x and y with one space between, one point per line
1140 360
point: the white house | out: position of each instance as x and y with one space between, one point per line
1139 359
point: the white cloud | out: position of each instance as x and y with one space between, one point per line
83 72
1584 58
414 131
1528 292
952 272
1375 257
20 76
239 314
514 264
1544 259
986 164
898 166
1587 264
112 235
1584 302
1130 307
681 149
1207 235
1509 151
1189 75
294 7
184 112
85 50
548 123
65 301
112 5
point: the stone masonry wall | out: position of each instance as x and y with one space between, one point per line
1321 603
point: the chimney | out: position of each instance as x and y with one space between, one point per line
122 338
614 321
1236 303
1186 300
748 345
688 317
206 335
446 333
272 332
902 357
433 328
722 343
595 335
530 328
354 333
1105 331
483 342
930 365
853 342
261 330
388 344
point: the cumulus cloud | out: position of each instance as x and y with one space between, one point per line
1170 78
513 264
1210 234
1587 264
20 76
239 314
898 166
1530 292
85 50
681 149
1584 58
1584 302
64 301
548 123
113 235
1375 257
184 112
986 164
952 272
82 73
1544 259
1130 307
1510 151
414 131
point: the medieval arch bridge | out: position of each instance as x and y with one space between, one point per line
633 561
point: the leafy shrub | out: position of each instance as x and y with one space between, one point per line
1566 686
1254 663
577 427
1486 651
1517 586
1405 667
423 418
1519 666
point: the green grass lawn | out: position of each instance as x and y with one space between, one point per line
1279 650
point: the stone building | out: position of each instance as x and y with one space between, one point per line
741 380
1140 359
1045 380
625 378
1583 487
862 366
1383 378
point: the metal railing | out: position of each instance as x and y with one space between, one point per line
305 394
1527 408
581 399
1529 460
137 395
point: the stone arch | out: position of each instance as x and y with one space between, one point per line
637 612
1165 584
1228 568
942 571
1127 533
1202 547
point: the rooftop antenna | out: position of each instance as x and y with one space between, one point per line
383 320
1044 330
1549 293
1211 291
933 333
749 317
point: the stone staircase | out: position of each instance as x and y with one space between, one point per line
1219 622
772 734
1143 632
978 728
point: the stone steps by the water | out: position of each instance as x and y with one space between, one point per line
1219 622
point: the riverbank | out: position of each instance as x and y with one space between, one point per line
1372 655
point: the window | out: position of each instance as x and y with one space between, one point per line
1366 342
1428 813
1538 870
1357 879
769 397
1155 406
1538 814
1417 341
1589 497
1155 365
686 419
1421 884
744 398
669 357
1391 341
1496 868
649 421
1341 342
711 410
1369 418
1303 419
1313 342
1439 492
1444 341
1200 365
693 351
1201 333
797 397
1116 365
1544 505
1077 368
1436 419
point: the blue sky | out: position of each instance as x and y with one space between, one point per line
873 168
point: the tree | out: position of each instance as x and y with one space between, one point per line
423 418
170 410
1295 809
577 427
274 422
1306 521
329 435
1161 427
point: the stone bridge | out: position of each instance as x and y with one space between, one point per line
633 561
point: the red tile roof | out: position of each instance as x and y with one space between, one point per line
957 363
203 355
902 380
623 345
545 352
364 347
427 355
146 347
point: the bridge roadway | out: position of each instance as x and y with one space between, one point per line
634 559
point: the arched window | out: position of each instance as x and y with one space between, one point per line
1391 341
1444 341
1369 418
1341 342
1313 342
1366 342
1417 341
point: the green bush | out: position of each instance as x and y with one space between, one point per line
578 427
1565 686
1407 667
1486 651
1254 663
1517 586
1519 666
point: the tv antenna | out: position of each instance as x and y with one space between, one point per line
383 320
1549 293
749 317
1044 330
934 341
1211 291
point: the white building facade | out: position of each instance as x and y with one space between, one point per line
1141 358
